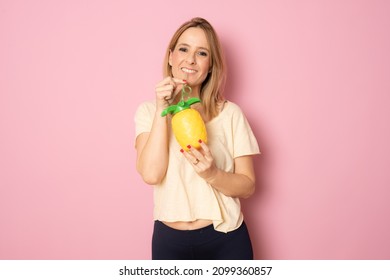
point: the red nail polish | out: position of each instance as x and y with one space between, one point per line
200 140
185 81
181 151
189 146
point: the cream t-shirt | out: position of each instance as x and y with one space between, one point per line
183 195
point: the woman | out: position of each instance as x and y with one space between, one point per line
197 209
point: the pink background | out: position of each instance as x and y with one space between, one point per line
312 77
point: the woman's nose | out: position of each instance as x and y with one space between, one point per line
191 58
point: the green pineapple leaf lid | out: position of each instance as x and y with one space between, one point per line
182 104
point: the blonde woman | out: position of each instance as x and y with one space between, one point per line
197 192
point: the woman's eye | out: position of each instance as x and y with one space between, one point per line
182 49
203 53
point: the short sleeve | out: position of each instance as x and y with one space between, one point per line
245 142
144 117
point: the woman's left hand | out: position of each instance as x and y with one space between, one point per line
202 161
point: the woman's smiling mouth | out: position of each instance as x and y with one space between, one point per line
187 70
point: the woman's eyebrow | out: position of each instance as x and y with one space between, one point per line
187 45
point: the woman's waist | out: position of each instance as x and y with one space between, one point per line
191 225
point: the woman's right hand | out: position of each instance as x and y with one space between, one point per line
166 91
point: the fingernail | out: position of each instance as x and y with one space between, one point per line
181 151
189 146
200 140
185 81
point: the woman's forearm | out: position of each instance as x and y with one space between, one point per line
232 184
240 183
152 161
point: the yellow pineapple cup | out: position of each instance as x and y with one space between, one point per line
187 124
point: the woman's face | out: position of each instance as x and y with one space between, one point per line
190 60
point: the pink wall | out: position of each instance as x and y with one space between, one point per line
312 77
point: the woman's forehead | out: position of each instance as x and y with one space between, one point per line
194 37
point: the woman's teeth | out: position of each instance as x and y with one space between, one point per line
188 70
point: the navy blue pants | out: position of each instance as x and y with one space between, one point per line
200 244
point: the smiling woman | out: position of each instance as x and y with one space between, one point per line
190 58
197 190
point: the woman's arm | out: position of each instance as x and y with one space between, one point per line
152 147
240 184
152 151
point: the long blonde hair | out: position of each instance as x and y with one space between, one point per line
211 92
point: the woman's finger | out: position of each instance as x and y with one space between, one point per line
197 154
170 81
179 81
168 88
190 157
205 148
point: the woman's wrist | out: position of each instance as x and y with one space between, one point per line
158 116
212 179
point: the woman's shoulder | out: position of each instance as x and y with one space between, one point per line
230 112
148 104
232 107
146 107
